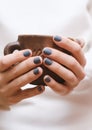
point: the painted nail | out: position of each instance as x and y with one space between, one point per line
57 38
36 71
37 60
47 51
48 61
40 88
47 79
26 53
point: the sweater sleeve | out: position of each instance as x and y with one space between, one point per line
86 84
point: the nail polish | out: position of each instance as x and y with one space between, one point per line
26 53
48 61
47 51
37 60
57 38
39 88
36 71
47 79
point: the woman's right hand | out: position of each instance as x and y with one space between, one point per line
16 70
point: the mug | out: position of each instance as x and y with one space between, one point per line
36 43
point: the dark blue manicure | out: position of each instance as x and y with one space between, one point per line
36 71
48 61
57 38
47 79
47 51
27 53
40 88
37 60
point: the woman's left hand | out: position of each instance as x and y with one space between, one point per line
70 67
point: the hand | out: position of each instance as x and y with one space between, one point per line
68 67
16 70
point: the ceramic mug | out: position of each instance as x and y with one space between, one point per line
36 43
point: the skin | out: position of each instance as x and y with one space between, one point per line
16 71
73 72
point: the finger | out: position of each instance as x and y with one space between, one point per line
11 59
4 107
63 72
22 68
71 46
21 81
61 58
81 42
3 103
55 86
15 51
27 93
3 100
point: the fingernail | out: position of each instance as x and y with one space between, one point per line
57 38
48 61
26 53
37 60
40 88
36 71
47 79
47 51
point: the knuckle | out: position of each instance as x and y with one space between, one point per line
71 78
2 63
19 83
14 71
72 63
83 75
16 86
17 55
77 49
73 83
2 79
84 63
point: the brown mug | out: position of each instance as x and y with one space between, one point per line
36 43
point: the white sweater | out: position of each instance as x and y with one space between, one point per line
49 111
